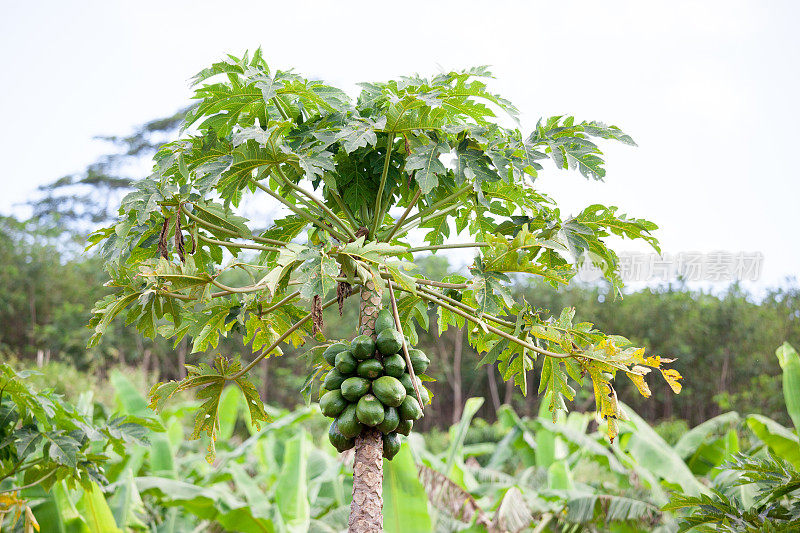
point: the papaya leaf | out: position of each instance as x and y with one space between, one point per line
210 381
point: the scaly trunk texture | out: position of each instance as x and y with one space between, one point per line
366 510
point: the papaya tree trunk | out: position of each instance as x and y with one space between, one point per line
366 509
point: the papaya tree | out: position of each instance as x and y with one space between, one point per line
364 186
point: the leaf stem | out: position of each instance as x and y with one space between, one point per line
281 303
343 207
236 290
238 245
465 307
404 345
232 233
450 246
378 199
280 109
432 283
29 485
299 212
403 216
517 340
408 227
339 222
282 338
440 203
184 297
493 329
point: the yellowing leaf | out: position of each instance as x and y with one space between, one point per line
672 376
656 360
640 383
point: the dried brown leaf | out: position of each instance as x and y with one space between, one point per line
162 239
448 497
179 239
316 315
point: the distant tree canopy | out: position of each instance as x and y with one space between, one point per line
77 203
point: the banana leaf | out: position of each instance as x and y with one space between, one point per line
291 490
790 363
405 504
781 440
654 454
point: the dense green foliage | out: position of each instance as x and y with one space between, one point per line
46 442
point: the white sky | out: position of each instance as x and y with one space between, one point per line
709 90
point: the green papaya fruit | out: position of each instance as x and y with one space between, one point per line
385 320
362 347
330 352
348 423
424 395
391 445
404 427
389 341
354 388
332 403
333 380
419 361
394 365
339 441
346 363
389 391
410 409
390 420
369 410
408 383
405 379
369 368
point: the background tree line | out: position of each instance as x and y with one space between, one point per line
723 341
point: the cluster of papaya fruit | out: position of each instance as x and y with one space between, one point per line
370 386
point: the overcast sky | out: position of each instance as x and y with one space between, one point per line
709 90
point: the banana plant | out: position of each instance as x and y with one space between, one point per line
759 490
55 457
365 186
